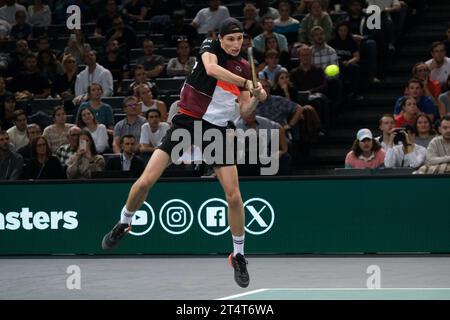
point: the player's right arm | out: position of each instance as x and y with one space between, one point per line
214 70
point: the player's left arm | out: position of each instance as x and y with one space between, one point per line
248 102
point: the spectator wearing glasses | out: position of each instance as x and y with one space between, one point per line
65 151
131 124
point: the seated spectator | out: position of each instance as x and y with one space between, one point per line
39 14
414 89
66 151
105 22
33 131
135 10
210 18
5 30
18 134
283 87
444 100
127 161
11 163
64 85
386 126
408 114
279 109
283 56
7 109
115 61
85 160
87 121
260 123
265 10
153 131
431 88
3 92
56 134
124 34
30 83
131 124
438 150
179 29
285 24
77 47
407 154
316 18
9 9
311 80
447 42
349 57
145 97
102 111
323 55
272 67
93 73
42 164
140 77
17 58
49 66
153 63
304 6
439 64
366 152
424 130
183 64
21 29
251 26
259 42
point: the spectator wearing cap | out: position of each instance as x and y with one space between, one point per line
272 68
408 154
366 152
210 18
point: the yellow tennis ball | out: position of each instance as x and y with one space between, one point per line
332 70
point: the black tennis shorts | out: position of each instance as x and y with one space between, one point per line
220 156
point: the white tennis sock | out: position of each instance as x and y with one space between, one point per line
238 245
126 216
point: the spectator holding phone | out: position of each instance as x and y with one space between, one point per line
407 154
85 160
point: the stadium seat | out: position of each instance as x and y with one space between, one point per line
169 85
114 102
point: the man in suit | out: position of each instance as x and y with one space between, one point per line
127 160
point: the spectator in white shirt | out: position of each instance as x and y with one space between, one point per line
405 155
153 131
439 64
94 73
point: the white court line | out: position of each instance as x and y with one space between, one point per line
320 289
243 294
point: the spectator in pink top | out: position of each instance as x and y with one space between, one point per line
366 152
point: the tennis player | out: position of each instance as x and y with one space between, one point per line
215 93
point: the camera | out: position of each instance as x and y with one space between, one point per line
401 136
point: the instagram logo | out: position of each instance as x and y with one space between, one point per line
176 216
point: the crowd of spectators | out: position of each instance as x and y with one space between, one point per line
111 104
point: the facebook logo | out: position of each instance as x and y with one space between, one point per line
215 217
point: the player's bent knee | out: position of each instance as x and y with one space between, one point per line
234 198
